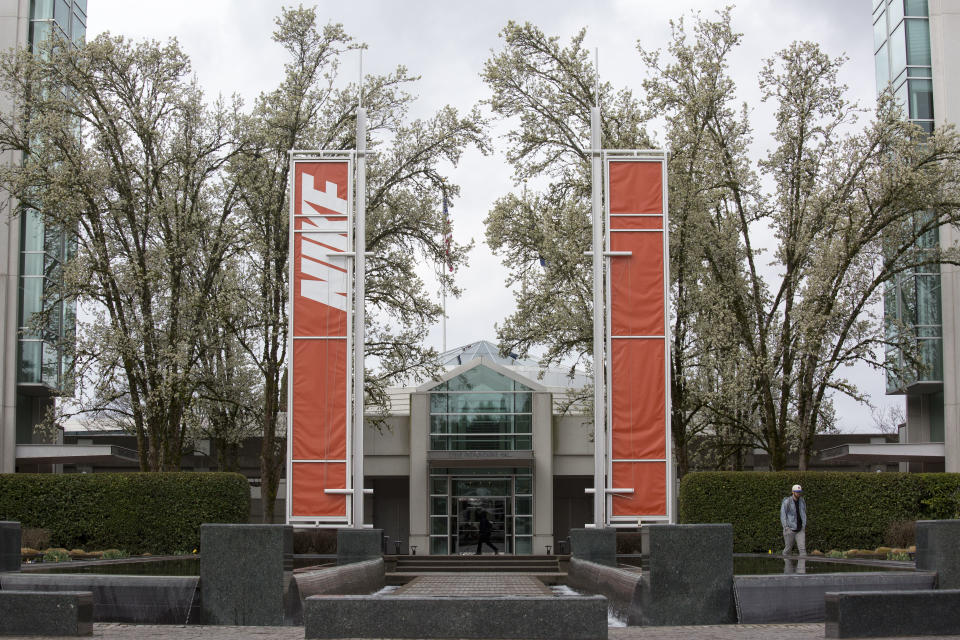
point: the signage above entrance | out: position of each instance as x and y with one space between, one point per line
488 458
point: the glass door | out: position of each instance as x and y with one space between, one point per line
471 513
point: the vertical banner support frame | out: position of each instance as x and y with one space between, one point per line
668 514
359 316
348 265
599 419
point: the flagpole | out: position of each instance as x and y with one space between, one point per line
447 239
599 414
359 315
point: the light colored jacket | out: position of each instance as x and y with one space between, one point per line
788 512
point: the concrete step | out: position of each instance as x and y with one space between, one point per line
548 578
474 558
499 568
433 565
479 562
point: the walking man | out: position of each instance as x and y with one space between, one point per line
793 517
486 528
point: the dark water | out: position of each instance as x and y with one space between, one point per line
185 566
190 566
767 565
776 564
180 566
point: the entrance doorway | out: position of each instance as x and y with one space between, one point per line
468 524
459 495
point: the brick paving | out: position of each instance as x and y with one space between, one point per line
115 631
473 585
733 632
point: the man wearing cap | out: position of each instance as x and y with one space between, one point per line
793 517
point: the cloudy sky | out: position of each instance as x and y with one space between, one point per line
447 42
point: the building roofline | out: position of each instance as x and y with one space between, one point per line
489 364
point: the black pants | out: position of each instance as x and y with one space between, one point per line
485 538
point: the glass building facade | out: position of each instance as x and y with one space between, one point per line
481 410
912 301
65 18
901 40
44 249
42 367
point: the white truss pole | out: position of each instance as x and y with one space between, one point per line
359 316
599 397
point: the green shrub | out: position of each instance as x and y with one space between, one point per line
901 533
138 512
629 542
34 538
314 541
943 499
114 554
56 555
846 510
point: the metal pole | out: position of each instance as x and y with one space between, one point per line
599 413
359 315
288 480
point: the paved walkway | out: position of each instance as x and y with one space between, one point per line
113 631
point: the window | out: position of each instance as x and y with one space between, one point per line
928 301
918 42
916 7
879 31
898 52
882 64
935 402
32 231
895 12
79 29
901 95
921 99
481 379
481 410
62 13
42 10
30 353
31 298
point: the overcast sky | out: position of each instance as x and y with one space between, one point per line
447 42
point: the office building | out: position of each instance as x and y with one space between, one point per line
917 55
33 368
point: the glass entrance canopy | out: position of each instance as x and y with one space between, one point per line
481 410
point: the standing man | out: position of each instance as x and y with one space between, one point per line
793 517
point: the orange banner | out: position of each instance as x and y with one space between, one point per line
320 291
639 435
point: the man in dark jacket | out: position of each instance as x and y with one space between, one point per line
486 528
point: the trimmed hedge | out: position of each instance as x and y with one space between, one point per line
846 510
157 513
